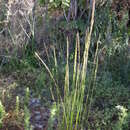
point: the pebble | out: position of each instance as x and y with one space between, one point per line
36 112
37 117
34 103
38 127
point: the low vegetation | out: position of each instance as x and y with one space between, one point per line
64 65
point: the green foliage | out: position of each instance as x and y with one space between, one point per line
52 119
56 3
2 14
110 92
74 104
2 113
27 96
108 118
118 64
122 117
27 114
42 1
40 81
65 3
125 125
27 118
17 107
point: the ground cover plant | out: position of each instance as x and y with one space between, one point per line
64 65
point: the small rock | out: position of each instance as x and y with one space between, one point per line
36 112
34 103
38 127
37 117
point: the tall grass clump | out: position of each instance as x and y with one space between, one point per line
71 104
74 97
